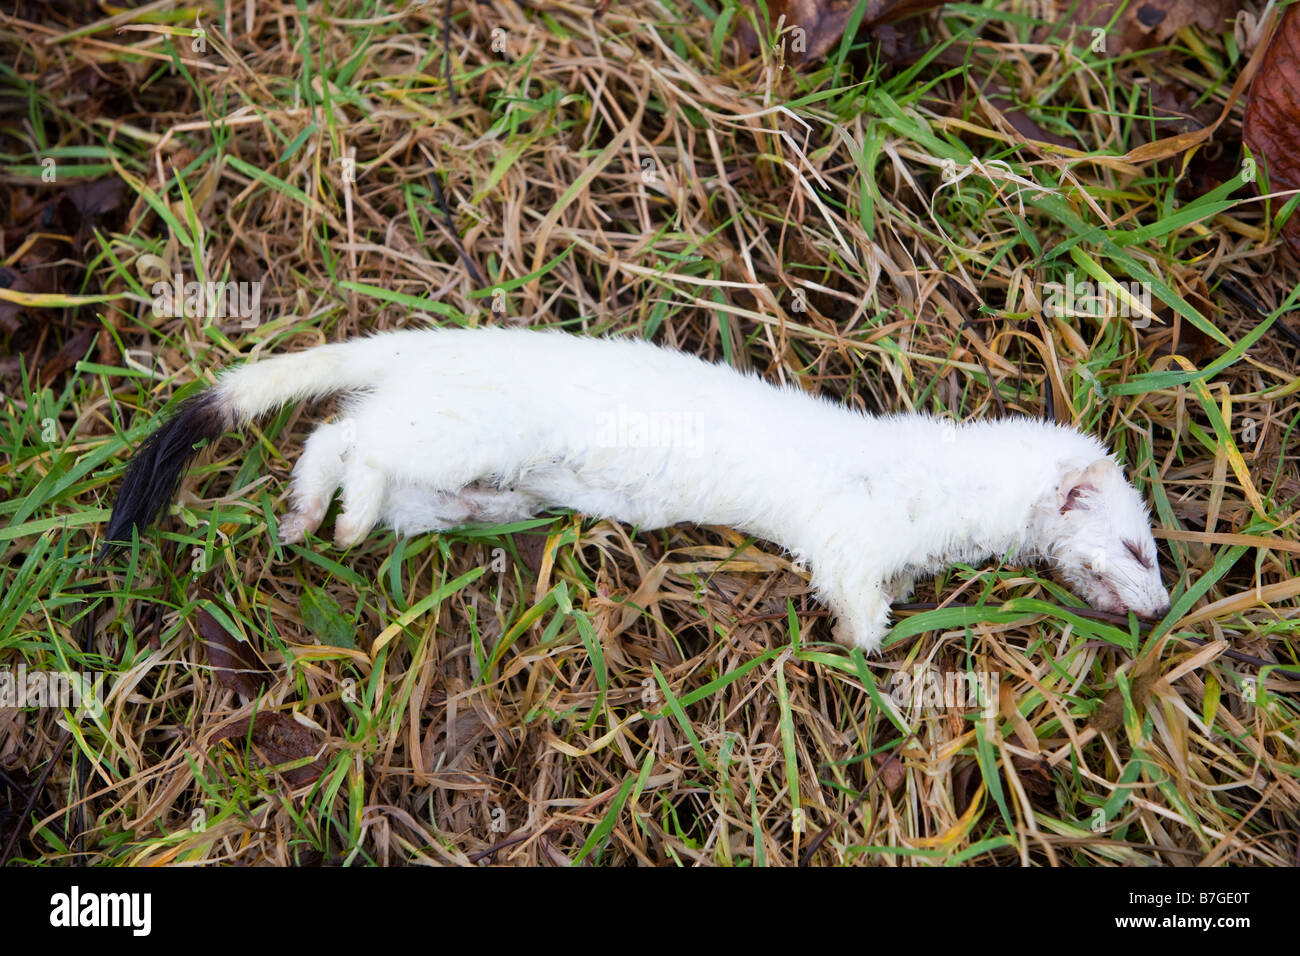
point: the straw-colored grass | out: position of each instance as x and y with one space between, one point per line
871 226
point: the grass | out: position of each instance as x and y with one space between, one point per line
573 691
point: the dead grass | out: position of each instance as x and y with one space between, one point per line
586 693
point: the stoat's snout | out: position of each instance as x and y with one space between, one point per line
1096 529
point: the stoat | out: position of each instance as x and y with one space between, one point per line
444 427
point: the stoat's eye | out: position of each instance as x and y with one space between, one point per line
1138 556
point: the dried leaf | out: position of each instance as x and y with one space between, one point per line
234 662
1174 335
96 198
814 26
69 354
531 549
1110 715
1035 775
1022 123
16 785
65 215
277 739
966 782
892 772
1143 24
1271 126
10 311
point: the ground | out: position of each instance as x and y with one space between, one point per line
907 223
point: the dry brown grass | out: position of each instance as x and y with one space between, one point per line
716 733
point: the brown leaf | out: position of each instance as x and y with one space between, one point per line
1147 23
531 548
1174 335
67 215
1035 775
1177 113
965 784
235 663
1110 715
96 198
16 785
1024 125
1271 125
891 771
276 739
69 354
821 23
10 311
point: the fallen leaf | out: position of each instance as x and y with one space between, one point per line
16 785
93 199
276 739
41 222
1174 335
10 311
1143 24
965 785
1109 716
1023 124
531 548
235 663
69 354
1271 125
814 26
891 771
1177 113
1035 775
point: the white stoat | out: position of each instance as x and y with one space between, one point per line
444 427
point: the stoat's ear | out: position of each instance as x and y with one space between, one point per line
1076 484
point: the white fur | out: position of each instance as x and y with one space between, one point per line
449 426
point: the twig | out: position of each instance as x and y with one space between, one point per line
1250 302
36 790
441 199
446 51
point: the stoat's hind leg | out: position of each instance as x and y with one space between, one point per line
413 509
364 486
316 477
488 505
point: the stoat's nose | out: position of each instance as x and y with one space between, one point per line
1158 612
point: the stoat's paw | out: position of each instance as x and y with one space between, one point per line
867 638
295 526
862 616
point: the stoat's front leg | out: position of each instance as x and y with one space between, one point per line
860 604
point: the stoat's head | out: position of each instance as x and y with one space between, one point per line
1095 528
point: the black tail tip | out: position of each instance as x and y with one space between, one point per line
156 469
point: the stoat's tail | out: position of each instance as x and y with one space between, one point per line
239 396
